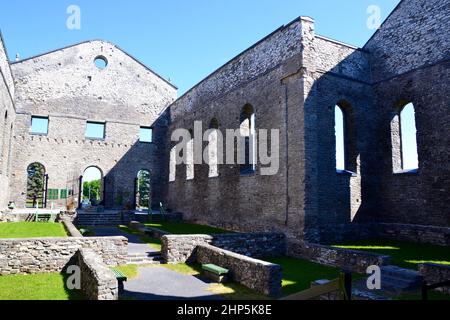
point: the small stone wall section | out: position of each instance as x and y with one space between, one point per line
348 260
415 233
42 255
182 248
260 276
71 229
436 273
97 281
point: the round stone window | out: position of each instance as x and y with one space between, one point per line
101 62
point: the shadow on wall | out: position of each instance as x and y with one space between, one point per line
119 187
338 195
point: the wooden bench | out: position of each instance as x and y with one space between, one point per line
215 273
121 278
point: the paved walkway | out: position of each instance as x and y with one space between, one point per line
159 283
135 245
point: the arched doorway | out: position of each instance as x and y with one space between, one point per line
92 190
36 186
143 191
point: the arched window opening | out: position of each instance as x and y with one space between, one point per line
404 140
213 159
173 164
92 191
143 191
340 138
190 174
345 133
247 131
36 181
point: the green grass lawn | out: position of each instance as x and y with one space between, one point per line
31 230
37 287
186 228
406 255
152 242
298 274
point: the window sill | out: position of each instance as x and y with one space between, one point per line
95 139
248 174
39 134
346 173
413 172
146 142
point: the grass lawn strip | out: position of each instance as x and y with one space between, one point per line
23 230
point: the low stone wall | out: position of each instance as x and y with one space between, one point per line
97 281
27 256
436 273
256 245
348 260
414 233
263 277
70 227
182 248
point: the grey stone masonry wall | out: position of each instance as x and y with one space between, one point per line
66 86
415 34
182 248
97 281
7 118
436 273
348 260
29 256
414 233
263 277
70 227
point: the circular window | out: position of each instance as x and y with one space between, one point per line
101 62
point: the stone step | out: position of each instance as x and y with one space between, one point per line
400 273
144 259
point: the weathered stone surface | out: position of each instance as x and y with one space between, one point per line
347 260
97 280
263 277
434 274
27 256
66 86
183 248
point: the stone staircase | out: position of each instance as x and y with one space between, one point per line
140 258
394 281
91 218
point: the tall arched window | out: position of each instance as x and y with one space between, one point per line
404 139
247 129
213 159
190 174
35 185
340 138
92 191
143 190
173 164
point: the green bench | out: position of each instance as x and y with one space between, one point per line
121 278
215 273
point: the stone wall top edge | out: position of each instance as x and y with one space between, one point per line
236 255
63 239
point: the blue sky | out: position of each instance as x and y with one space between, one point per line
183 40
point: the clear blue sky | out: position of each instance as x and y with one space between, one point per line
183 40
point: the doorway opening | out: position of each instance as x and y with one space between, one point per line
92 190
143 191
